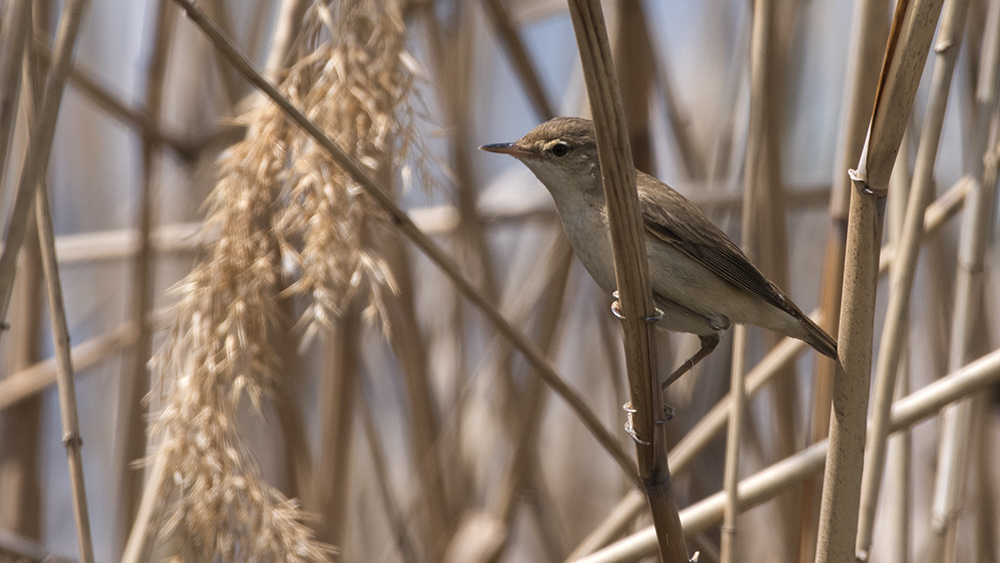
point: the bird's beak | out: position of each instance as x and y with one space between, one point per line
508 148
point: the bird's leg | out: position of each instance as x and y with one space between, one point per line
708 344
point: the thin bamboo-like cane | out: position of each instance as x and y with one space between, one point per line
32 380
756 203
869 30
20 483
100 246
140 539
425 428
338 395
899 471
524 461
60 329
406 225
19 548
694 162
899 481
130 433
285 34
768 230
116 244
393 512
470 218
531 82
904 271
957 421
986 511
631 273
471 241
15 26
631 42
64 376
522 297
20 449
721 162
527 286
103 99
773 480
519 58
906 52
983 523
37 158
533 397
231 88
731 478
453 50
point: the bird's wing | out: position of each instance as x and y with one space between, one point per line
701 240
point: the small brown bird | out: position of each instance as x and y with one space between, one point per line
701 281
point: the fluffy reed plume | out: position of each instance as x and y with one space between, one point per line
286 220
357 90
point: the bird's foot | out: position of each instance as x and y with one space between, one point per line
616 309
668 413
630 427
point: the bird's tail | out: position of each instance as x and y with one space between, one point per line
816 337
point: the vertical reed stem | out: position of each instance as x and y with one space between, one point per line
64 377
130 432
904 270
631 272
910 36
957 420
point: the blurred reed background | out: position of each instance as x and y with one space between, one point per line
302 382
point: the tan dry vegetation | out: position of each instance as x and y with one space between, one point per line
328 382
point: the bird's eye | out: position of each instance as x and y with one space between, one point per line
560 150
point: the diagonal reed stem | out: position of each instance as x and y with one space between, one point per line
406 225
775 479
37 158
16 24
523 65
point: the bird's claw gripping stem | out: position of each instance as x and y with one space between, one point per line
616 309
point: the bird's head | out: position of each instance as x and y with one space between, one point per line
562 153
